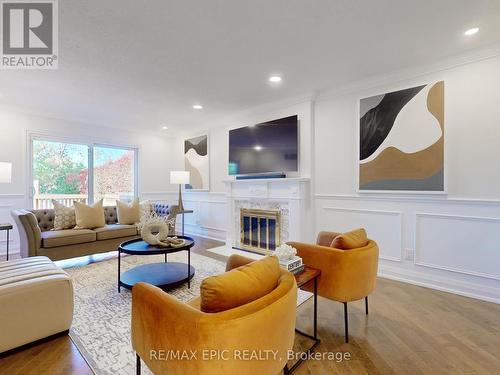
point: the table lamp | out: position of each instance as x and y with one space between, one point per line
180 178
5 172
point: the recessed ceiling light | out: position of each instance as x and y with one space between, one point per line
197 106
275 79
164 128
472 31
257 148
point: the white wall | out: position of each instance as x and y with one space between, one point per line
446 242
155 151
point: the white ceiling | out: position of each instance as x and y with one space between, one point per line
129 63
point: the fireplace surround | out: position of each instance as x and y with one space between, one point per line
288 197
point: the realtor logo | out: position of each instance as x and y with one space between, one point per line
29 34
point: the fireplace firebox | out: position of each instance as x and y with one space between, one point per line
259 230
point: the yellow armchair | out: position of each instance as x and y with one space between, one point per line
346 275
161 324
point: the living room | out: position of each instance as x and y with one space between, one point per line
261 187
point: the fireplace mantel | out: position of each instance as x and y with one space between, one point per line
271 188
292 196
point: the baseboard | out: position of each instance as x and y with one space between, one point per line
11 251
202 235
215 235
444 284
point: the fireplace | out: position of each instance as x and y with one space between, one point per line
260 230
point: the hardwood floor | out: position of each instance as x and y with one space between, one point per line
55 357
410 330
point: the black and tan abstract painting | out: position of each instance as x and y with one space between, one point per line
196 161
401 140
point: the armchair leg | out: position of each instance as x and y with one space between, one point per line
138 364
346 323
366 305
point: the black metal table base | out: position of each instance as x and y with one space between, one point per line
7 227
313 337
163 275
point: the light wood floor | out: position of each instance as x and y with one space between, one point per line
410 330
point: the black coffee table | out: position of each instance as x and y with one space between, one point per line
163 275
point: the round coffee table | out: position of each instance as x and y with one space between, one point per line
163 275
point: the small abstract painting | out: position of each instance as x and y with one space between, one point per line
401 140
196 161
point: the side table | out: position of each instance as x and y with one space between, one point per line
308 275
7 227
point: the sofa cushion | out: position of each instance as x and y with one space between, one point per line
128 213
240 286
115 231
110 214
45 218
67 237
64 216
89 217
350 240
161 209
146 207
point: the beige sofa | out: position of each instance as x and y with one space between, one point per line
36 299
37 237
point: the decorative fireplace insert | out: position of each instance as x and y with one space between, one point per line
260 230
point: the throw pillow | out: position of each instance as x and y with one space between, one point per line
64 217
128 213
146 207
89 217
350 240
240 286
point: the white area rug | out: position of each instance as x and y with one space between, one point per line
101 324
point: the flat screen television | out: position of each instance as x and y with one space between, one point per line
269 147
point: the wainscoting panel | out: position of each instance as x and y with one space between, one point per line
464 244
448 244
384 226
209 218
9 202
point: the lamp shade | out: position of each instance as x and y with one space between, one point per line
5 172
179 177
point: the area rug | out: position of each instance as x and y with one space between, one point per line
101 323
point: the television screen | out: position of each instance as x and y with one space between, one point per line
269 147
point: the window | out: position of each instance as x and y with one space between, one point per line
69 172
114 174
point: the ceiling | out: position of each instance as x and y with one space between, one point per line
143 64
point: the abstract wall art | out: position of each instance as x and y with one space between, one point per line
401 140
196 161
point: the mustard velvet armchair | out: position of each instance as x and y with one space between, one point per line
346 275
160 322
